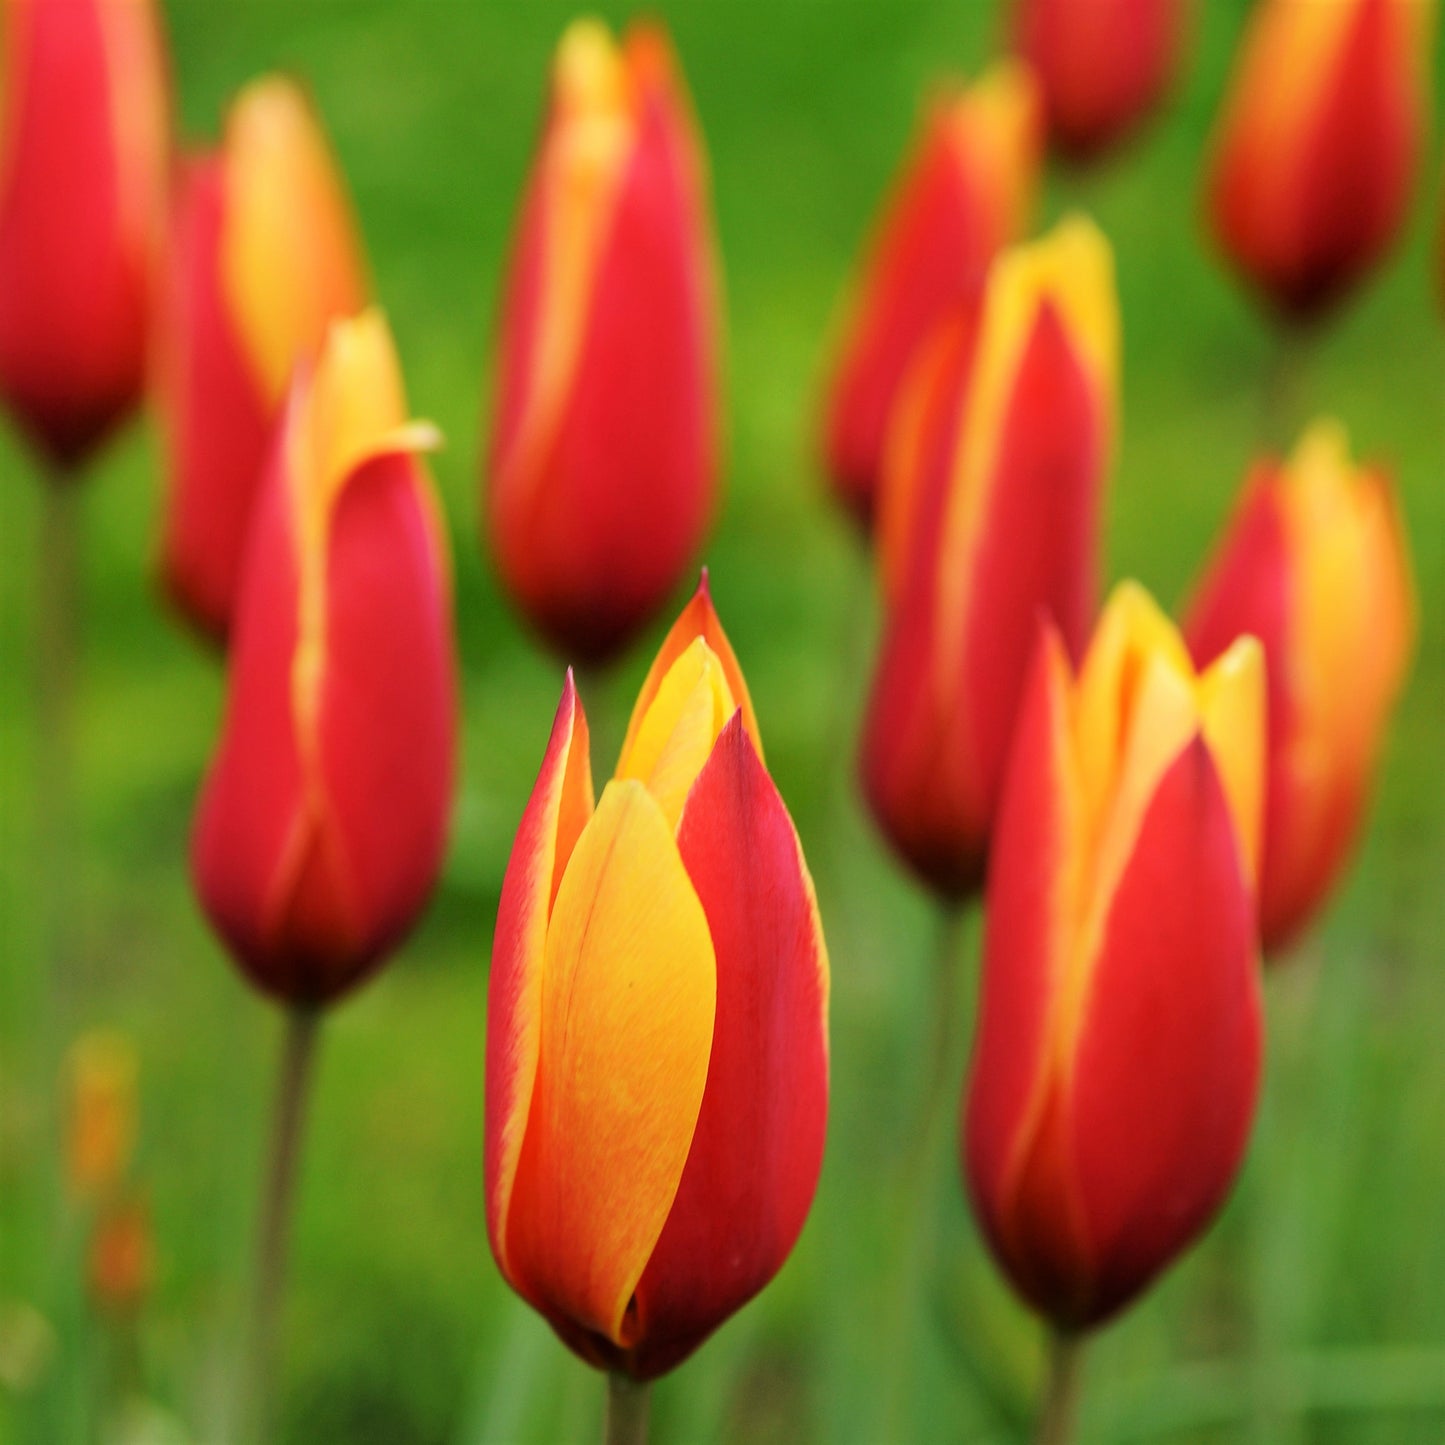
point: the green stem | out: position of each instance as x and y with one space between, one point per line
277 1205
1061 1394
1284 397
627 1401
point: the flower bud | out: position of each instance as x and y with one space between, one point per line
967 191
101 1084
121 1262
263 256
657 1053
1314 564
1117 1058
83 142
990 514
323 821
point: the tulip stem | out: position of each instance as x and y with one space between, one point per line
627 1401
1284 387
1061 1396
277 1205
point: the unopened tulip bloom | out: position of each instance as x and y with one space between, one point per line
990 514
100 1136
121 1261
321 827
968 190
657 1055
1314 564
1103 65
604 437
1117 1058
1318 145
263 256
83 155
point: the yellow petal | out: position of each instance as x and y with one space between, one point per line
1232 718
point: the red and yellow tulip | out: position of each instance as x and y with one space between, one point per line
657 1053
1117 1058
263 256
100 1136
1103 65
604 442
323 821
83 156
1315 564
989 514
1318 146
967 191
120 1264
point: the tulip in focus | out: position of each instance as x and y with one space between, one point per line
967 191
990 514
604 442
83 154
101 1084
1104 65
1314 564
322 824
1117 1058
657 1055
1317 149
263 257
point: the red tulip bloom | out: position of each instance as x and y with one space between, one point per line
657 1051
323 821
990 514
1117 1058
83 143
263 256
1318 146
1315 564
967 191
604 441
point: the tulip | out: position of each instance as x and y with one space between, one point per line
1117 1058
321 828
657 1056
83 142
990 509
100 1136
1315 564
604 447
967 191
264 255
121 1262
1103 65
1316 152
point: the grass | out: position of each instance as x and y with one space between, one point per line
1314 1312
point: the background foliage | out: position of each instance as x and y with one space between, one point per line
1314 1312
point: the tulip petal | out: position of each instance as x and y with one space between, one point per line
556 813
758 1145
628 993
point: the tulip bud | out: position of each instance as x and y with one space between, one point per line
121 1260
1117 1058
1314 564
990 513
83 143
1318 145
968 190
1103 65
604 448
323 821
101 1083
657 1054
263 257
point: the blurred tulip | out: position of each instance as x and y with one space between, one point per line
604 447
323 821
990 513
1317 148
121 1264
83 154
101 1084
1103 65
263 256
968 190
1315 564
657 1055
1117 1059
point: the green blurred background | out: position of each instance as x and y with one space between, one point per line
1315 1311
